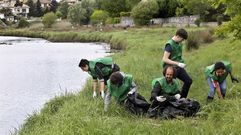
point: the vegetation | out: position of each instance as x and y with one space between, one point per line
23 23
49 19
81 114
99 16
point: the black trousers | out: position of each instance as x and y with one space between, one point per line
182 75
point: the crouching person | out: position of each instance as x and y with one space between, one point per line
100 69
122 87
216 75
165 98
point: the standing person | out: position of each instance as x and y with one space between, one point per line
122 87
216 75
100 69
173 56
164 88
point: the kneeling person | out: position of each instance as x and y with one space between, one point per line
165 87
122 87
100 69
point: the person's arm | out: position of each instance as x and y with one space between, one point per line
94 84
155 91
217 88
166 59
133 88
107 101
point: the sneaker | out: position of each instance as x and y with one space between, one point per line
94 94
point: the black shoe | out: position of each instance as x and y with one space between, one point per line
209 99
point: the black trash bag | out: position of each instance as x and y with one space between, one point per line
136 104
173 108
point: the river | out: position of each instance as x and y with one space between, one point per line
32 71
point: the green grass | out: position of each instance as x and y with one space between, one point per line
80 114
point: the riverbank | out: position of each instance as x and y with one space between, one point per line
80 114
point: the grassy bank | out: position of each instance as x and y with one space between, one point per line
80 114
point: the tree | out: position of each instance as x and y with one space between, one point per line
18 3
49 19
63 9
31 7
77 14
114 7
144 11
53 6
234 11
38 9
99 16
167 8
88 5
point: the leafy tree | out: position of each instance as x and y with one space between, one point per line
18 3
234 11
63 9
144 11
31 7
49 19
167 8
53 6
23 23
129 4
99 16
114 7
6 11
77 14
88 5
38 9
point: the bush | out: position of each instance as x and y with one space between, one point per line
197 22
220 19
49 19
193 40
125 14
206 36
23 23
144 11
99 16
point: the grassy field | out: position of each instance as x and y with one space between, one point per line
81 114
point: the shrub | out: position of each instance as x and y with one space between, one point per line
220 19
193 40
206 36
144 11
49 19
23 23
197 22
125 14
99 16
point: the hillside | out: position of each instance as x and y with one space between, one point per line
80 114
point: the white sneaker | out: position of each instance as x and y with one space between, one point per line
103 94
94 94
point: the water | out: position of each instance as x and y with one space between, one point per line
32 71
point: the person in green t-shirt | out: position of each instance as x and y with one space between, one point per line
164 88
100 69
173 56
216 75
119 86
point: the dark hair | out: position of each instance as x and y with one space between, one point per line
165 70
219 65
182 33
116 78
83 62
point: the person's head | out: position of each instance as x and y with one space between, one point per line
181 35
116 79
84 64
169 73
219 69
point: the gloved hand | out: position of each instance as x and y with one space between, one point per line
234 80
161 98
94 94
177 96
181 65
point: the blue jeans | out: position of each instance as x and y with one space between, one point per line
223 87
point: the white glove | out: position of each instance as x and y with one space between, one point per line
160 98
177 96
103 94
181 65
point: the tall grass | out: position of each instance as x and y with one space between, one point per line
80 114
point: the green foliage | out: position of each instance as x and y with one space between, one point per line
49 19
31 7
113 7
220 19
38 12
144 11
99 16
23 23
59 14
125 14
197 22
233 9
77 14
63 9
